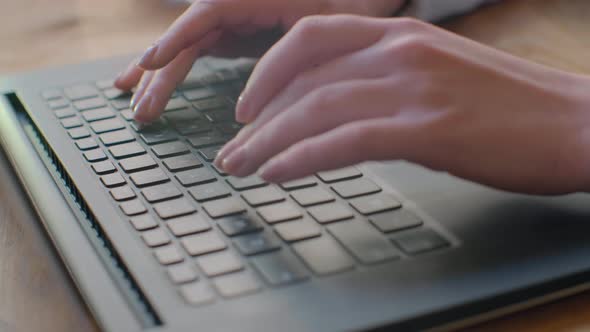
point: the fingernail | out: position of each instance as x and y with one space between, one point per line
222 154
142 108
235 163
242 110
133 102
148 56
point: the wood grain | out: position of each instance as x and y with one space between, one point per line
36 293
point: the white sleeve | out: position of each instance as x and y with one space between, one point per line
434 10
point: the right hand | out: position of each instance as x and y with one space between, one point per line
229 28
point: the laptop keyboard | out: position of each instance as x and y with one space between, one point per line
218 236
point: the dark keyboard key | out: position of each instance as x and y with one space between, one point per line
420 241
262 196
355 188
86 144
200 93
72 122
143 222
220 263
58 103
323 256
249 182
51 94
162 192
364 242
330 213
132 208
112 180
195 177
116 137
64 112
229 128
219 116
236 284
299 184
256 243
155 237
197 293
210 153
82 91
137 164
182 163
168 255
394 221
312 196
224 207
239 224
157 137
280 268
103 167
375 203
193 127
127 150
78 133
86 104
122 193
210 104
210 191
187 225
105 84
183 116
182 273
121 103
95 156
204 243
218 170
104 126
98 114
176 104
127 114
340 174
114 93
298 230
175 208
170 149
279 212
149 178
205 140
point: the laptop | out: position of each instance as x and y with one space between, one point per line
157 239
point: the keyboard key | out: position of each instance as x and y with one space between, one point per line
157 137
137 164
149 178
170 149
256 243
195 177
394 221
376 203
98 114
330 213
182 163
209 191
420 241
161 193
58 103
354 188
95 156
155 237
105 84
205 140
182 273
239 224
65 112
279 212
323 256
104 126
116 137
210 104
72 122
193 127
299 184
218 170
219 116
176 104
210 153
224 207
103 167
312 196
200 93
197 293
340 174
121 103
122 193
363 241
168 255
229 128
51 94
78 133
249 182
280 268
219 263
114 93
204 243
81 91
187 225
298 230
183 116
112 180
262 196
175 208
143 222
127 114
86 104
236 284
133 208
86 144
127 150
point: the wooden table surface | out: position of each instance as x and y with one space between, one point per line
36 293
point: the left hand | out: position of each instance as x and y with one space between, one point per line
413 92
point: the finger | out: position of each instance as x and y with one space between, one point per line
129 78
331 37
329 107
374 139
143 84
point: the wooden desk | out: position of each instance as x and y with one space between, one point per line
35 292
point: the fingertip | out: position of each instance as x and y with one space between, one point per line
147 59
142 111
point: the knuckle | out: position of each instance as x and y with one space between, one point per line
408 24
311 26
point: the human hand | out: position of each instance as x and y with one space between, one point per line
389 89
230 28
